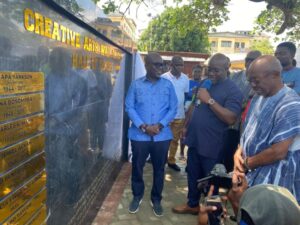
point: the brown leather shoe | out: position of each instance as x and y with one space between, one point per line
185 209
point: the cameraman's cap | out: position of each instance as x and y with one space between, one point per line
270 205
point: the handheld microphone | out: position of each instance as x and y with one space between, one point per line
207 85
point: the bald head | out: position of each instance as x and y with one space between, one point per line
153 65
264 75
266 64
152 56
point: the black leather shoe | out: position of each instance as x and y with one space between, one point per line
174 167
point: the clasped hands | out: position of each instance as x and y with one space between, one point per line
151 130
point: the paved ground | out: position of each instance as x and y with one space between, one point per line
114 210
174 193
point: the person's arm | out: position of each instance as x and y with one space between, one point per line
188 116
170 115
221 112
238 161
270 155
130 107
239 186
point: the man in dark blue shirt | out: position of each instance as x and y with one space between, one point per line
220 107
151 105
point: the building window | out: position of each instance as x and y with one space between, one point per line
226 44
237 45
214 44
242 44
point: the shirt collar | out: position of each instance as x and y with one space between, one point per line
144 79
174 77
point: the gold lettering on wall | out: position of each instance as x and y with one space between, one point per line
39 217
13 107
80 61
12 180
20 129
44 26
29 20
21 82
12 202
24 214
15 154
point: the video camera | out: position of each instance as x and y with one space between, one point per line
221 180
217 177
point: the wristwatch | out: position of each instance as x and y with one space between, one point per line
211 101
143 128
246 165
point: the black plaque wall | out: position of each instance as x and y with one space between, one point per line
62 89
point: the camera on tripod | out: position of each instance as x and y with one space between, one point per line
217 177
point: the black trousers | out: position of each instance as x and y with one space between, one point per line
158 152
232 139
197 167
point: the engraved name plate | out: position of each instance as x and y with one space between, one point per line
14 131
17 153
14 178
15 200
21 82
25 213
13 107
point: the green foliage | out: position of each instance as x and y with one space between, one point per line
109 6
183 29
270 20
280 15
264 46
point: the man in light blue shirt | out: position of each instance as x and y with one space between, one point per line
151 105
180 82
285 53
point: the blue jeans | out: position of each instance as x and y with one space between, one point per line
158 152
197 167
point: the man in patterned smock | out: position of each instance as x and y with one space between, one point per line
269 151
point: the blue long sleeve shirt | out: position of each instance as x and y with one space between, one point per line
151 103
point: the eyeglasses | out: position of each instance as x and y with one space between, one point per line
158 65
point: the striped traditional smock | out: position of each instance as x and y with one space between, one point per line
271 120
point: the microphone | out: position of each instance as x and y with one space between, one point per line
207 85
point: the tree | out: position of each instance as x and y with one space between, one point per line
264 46
166 33
182 29
280 15
285 13
270 20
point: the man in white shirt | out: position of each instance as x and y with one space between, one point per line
181 85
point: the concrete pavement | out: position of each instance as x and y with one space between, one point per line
114 210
